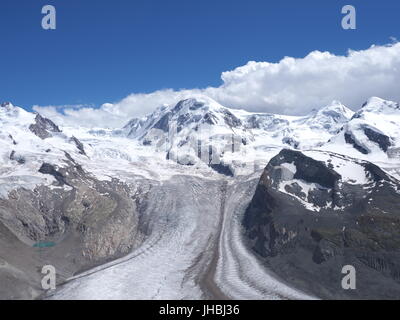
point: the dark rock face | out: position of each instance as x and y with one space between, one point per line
349 139
79 145
222 169
308 169
47 168
356 225
12 139
43 127
231 120
163 123
382 140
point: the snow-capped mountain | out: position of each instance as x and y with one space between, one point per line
301 132
28 140
193 129
201 129
374 129
330 118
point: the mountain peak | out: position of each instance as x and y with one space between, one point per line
189 104
9 111
331 117
7 105
374 100
197 102
376 104
336 108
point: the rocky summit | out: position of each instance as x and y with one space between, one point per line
313 213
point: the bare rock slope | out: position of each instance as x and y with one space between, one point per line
314 213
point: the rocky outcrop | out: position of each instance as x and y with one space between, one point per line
382 140
44 127
306 221
83 222
47 168
373 135
79 145
16 157
350 140
222 169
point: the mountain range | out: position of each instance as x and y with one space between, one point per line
196 200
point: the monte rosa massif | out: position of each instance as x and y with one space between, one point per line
199 201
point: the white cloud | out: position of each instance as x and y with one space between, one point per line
291 86
114 115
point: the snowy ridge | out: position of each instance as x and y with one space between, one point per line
22 152
201 130
372 133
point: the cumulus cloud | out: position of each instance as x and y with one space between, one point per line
115 115
293 86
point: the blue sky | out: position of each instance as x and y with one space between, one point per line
104 50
